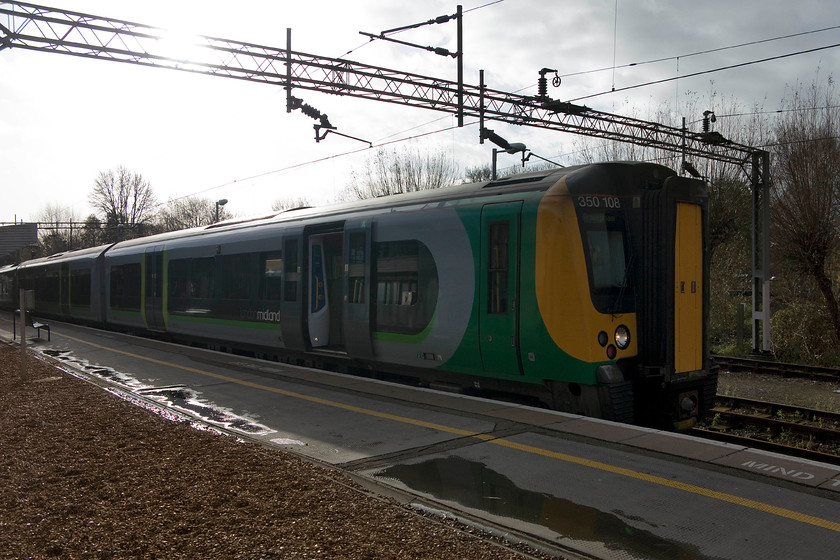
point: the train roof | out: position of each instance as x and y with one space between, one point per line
534 181
76 254
537 181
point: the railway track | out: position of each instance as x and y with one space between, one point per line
781 369
791 430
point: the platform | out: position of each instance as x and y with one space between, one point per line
582 486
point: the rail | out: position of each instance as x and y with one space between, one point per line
791 430
782 369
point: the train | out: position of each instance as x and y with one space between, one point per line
583 289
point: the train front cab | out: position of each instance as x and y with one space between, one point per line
621 289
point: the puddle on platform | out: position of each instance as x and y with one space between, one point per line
186 400
179 398
475 486
125 380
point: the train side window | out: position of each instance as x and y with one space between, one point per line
406 287
178 285
291 270
80 288
125 287
178 278
498 264
202 278
271 265
235 274
49 285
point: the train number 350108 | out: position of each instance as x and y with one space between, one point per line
599 202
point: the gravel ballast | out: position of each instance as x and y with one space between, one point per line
85 474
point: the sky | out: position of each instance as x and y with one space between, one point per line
64 119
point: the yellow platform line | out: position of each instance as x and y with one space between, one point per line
565 457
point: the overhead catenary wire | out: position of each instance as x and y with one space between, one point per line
382 142
702 52
317 160
710 71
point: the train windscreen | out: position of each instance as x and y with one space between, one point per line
608 260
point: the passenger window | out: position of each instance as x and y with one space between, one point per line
125 287
406 287
235 274
202 278
80 288
178 278
356 272
272 275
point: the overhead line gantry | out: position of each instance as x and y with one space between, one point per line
40 28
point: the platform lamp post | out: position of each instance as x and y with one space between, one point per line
220 202
24 303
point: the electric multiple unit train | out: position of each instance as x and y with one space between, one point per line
583 288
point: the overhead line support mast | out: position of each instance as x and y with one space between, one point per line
39 28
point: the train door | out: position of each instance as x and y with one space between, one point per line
499 288
291 307
326 287
64 292
318 315
357 301
674 303
688 288
153 276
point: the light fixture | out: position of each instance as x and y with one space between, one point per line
220 202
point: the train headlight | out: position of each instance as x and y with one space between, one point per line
622 337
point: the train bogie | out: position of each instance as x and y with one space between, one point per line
583 288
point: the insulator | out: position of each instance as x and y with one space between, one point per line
708 116
542 83
310 111
542 87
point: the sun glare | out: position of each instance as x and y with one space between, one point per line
183 50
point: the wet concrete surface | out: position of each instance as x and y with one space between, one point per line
181 399
475 486
607 503
550 478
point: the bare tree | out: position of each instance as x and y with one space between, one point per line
290 203
91 233
394 172
478 174
189 212
806 195
55 229
125 200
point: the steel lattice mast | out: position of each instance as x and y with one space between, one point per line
40 28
